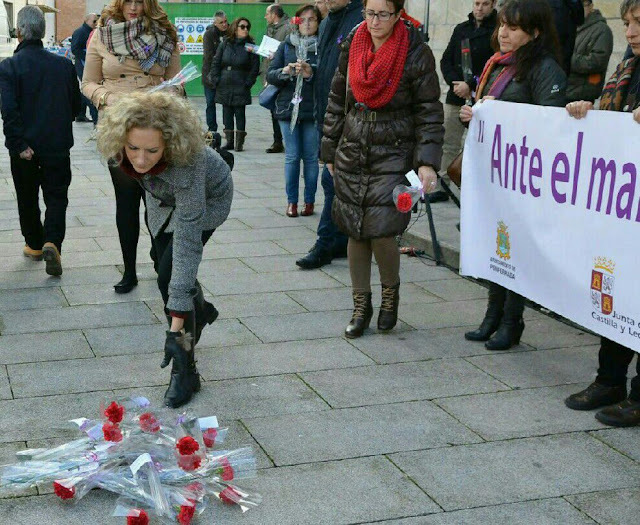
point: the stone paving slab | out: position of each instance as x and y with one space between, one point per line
8 455
354 432
100 294
39 279
5 388
276 263
8 249
77 317
30 299
265 234
619 506
554 511
456 289
624 440
383 384
517 470
520 413
546 333
548 368
29 348
259 304
278 358
124 340
445 315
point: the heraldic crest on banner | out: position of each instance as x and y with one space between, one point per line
602 281
503 244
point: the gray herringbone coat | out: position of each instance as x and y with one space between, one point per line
196 198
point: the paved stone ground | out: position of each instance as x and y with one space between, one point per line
415 427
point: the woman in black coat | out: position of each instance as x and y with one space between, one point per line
233 74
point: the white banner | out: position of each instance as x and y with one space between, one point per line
551 210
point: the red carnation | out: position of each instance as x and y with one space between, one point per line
187 446
209 437
296 21
138 517
189 463
226 471
404 202
186 513
114 412
149 423
229 496
63 492
112 432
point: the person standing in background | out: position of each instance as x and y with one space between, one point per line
212 38
568 15
79 49
322 7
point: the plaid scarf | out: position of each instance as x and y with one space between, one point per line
129 40
614 94
504 77
374 77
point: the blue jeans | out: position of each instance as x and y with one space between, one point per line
329 237
210 97
300 144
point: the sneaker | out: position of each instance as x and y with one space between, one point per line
624 414
596 396
34 255
52 258
316 258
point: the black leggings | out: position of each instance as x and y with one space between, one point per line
128 196
228 114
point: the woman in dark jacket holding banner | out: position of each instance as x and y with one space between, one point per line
621 93
524 70
384 118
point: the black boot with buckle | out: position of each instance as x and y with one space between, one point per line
492 318
185 380
362 314
388 316
511 326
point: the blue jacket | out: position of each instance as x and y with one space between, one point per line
285 55
333 30
79 42
40 99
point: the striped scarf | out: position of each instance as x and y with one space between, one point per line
505 60
129 40
615 92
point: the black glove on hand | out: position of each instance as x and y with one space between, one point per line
173 345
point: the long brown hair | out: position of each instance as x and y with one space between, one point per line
530 16
233 28
152 11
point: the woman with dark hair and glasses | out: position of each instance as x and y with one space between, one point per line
233 74
384 118
525 69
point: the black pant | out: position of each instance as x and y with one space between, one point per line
163 247
53 175
237 112
614 362
277 133
86 103
128 195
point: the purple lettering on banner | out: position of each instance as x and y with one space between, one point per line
576 169
599 165
535 171
496 162
511 151
524 153
559 176
628 189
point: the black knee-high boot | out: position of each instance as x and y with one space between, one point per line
492 318
511 326
205 312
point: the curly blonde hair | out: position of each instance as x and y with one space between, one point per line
177 120
152 11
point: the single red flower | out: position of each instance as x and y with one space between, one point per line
209 436
189 463
187 446
63 492
229 496
186 514
112 432
149 423
138 517
296 21
404 203
114 412
225 471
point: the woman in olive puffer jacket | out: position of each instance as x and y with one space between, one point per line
384 118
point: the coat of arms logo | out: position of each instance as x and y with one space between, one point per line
503 244
602 281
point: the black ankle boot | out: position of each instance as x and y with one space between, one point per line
511 326
492 318
205 312
185 380
126 284
228 135
388 316
362 314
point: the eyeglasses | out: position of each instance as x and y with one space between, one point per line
243 26
383 16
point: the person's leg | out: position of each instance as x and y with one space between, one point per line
511 325
453 132
128 195
493 315
241 124
309 141
291 161
210 97
276 147
56 178
359 254
228 121
634 393
26 180
387 256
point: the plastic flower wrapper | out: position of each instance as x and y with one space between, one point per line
186 74
303 45
406 197
229 465
28 474
77 447
234 495
132 511
78 484
190 450
214 436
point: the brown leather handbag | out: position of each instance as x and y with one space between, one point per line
454 170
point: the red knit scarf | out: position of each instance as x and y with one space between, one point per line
374 77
